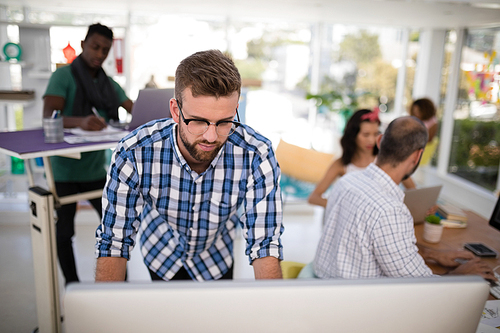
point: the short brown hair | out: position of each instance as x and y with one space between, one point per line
426 107
207 73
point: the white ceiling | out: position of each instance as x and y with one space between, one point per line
410 13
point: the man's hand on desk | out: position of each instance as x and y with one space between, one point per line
452 258
445 258
475 267
466 263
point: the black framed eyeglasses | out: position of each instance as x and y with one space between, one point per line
200 126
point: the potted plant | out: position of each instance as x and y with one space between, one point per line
433 229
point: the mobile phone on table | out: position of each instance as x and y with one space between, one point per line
480 250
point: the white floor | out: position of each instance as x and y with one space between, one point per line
17 291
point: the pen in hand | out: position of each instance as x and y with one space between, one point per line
94 110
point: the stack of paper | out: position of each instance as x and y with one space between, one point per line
454 224
107 134
490 319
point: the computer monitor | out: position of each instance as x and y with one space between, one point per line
495 216
410 305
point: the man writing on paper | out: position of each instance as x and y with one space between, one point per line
369 232
76 90
187 182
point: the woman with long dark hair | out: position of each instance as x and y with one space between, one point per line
359 149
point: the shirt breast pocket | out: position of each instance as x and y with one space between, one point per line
220 208
214 214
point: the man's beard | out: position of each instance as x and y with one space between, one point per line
414 169
197 154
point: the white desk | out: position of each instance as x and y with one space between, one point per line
28 145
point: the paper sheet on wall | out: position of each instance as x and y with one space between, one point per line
107 134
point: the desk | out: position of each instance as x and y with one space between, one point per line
478 230
30 144
27 145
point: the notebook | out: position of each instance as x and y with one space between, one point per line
151 104
420 200
450 212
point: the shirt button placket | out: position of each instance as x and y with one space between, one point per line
195 209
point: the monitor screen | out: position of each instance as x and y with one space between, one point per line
495 216
411 305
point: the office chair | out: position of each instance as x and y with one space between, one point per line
301 169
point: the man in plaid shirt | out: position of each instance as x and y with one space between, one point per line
187 182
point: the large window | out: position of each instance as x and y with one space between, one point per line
272 57
362 67
475 153
449 49
280 63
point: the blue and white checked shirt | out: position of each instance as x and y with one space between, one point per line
189 219
368 230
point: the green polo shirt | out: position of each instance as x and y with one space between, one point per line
92 165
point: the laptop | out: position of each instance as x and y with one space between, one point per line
419 201
151 104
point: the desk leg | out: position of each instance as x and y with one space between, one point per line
29 171
50 180
45 260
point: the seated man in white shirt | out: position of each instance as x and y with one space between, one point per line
368 231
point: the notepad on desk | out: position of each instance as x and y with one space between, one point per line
453 224
105 131
107 134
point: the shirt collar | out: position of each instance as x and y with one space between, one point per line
385 181
180 157
175 146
